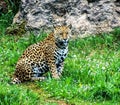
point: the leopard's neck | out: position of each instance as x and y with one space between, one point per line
60 46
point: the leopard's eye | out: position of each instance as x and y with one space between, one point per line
66 32
61 33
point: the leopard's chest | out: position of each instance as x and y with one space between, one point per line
60 55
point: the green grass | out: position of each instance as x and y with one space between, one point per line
91 73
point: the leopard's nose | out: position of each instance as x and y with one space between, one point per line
65 40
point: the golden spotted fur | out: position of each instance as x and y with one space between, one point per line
42 57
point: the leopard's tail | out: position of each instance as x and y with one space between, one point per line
15 80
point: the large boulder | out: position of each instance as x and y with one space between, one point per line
86 16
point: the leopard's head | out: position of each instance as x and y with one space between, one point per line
62 35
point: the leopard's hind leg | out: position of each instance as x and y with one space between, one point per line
23 72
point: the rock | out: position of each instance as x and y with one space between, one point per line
85 16
3 7
16 29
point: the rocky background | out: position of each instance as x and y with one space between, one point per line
85 16
3 7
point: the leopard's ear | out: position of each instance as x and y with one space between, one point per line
56 25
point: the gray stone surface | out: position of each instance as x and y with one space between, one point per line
85 16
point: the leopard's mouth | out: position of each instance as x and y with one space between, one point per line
63 42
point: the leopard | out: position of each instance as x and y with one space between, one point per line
44 56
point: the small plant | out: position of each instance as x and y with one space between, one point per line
17 96
13 5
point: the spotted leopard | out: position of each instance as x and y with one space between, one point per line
44 56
